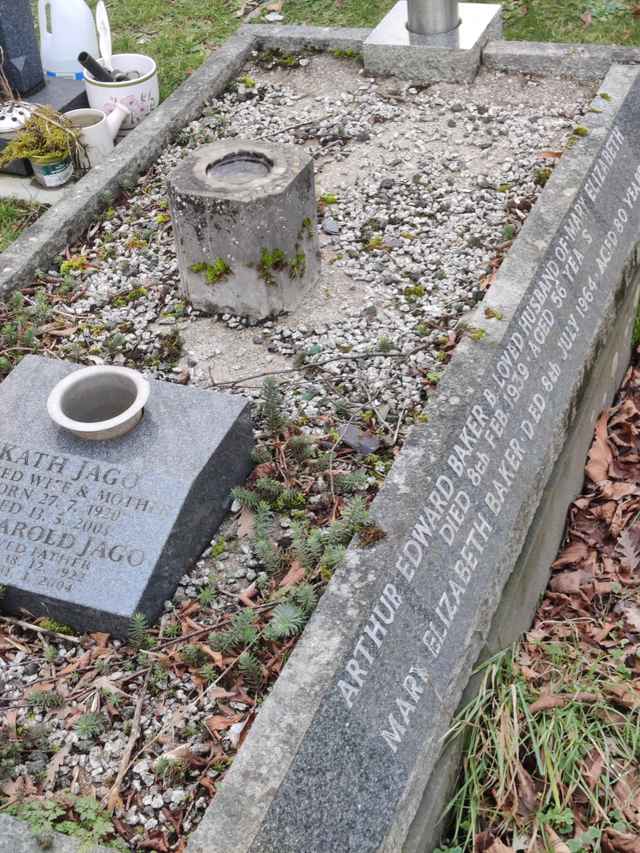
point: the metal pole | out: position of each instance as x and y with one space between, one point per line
428 17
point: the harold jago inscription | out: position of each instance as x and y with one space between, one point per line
91 532
465 510
60 516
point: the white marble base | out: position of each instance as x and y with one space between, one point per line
454 56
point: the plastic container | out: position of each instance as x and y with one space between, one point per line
66 28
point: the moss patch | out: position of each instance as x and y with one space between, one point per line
215 272
132 296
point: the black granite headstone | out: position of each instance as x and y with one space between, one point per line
19 43
93 531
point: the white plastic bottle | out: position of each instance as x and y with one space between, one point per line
66 28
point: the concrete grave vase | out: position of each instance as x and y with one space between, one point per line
244 219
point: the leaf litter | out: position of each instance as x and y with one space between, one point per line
551 757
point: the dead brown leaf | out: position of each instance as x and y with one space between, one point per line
528 797
618 842
54 765
574 553
569 582
294 575
600 454
554 840
499 847
219 723
216 657
550 700
594 766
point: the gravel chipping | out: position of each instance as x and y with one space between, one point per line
421 191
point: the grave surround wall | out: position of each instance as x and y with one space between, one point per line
245 814
382 667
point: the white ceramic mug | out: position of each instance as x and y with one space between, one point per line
140 96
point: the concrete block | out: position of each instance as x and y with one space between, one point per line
244 219
299 36
392 49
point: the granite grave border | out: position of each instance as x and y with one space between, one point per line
259 809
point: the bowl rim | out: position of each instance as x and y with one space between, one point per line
54 407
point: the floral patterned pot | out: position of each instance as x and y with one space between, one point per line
140 95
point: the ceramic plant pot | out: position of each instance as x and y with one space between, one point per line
99 403
140 96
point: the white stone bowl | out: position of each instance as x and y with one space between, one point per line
99 403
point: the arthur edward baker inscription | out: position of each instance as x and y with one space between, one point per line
474 500
91 532
61 518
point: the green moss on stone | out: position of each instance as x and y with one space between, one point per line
298 265
306 229
339 53
542 176
215 272
271 261
132 296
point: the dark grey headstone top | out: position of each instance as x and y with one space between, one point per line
93 531
19 42
340 755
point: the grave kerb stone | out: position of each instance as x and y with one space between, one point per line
346 747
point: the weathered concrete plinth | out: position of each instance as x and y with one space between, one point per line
392 49
244 218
